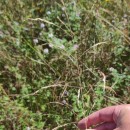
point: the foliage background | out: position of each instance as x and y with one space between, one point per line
60 60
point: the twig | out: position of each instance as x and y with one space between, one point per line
104 80
45 87
56 128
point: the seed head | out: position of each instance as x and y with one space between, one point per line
42 25
35 41
48 12
75 47
46 51
64 102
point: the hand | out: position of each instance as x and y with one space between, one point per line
110 118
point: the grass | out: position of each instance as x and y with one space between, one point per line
61 60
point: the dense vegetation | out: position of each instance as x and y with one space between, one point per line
60 60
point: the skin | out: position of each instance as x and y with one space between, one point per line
110 118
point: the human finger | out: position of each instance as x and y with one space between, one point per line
106 126
103 115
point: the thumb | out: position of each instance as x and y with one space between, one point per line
123 121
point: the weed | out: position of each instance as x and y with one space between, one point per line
61 60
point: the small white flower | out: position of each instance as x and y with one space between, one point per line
46 51
48 12
35 41
51 45
63 8
50 35
63 15
6 67
28 128
64 102
66 93
40 33
42 25
113 21
62 47
125 15
75 47
111 69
